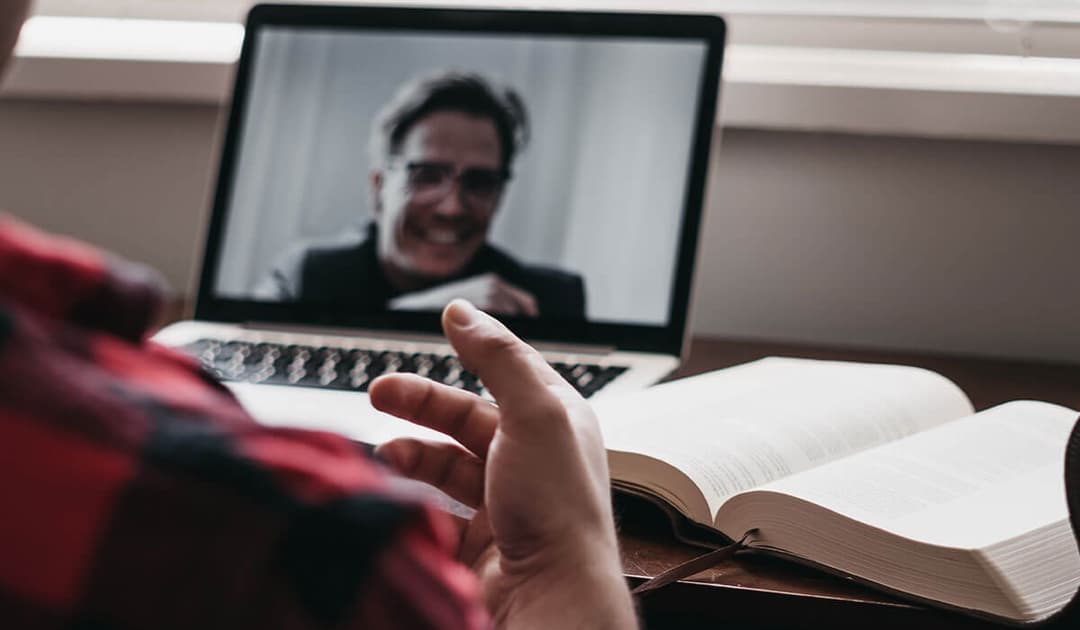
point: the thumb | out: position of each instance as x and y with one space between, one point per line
515 373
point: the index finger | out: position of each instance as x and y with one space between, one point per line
515 373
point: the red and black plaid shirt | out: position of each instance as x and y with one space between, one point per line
136 493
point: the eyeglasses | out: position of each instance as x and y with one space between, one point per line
431 182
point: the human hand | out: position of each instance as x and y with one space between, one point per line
487 291
543 539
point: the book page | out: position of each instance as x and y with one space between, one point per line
971 483
742 427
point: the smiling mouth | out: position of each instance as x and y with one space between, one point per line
446 237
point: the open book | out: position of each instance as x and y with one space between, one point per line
879 472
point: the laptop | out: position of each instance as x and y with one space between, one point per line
378 162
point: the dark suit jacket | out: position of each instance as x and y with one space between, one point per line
346 271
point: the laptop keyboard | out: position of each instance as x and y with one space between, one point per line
353 368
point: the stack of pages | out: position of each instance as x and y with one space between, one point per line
882 473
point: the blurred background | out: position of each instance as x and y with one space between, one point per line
894 174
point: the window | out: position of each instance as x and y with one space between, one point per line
1038 10
212 10
948 9
1029 28
800 64
1041 28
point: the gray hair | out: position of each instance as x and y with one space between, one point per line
454 91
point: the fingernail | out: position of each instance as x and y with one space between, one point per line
461 313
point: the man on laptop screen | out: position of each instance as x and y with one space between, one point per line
442 152
375 168
384 170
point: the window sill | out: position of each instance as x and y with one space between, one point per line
937 95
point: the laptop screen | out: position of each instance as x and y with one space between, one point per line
375 172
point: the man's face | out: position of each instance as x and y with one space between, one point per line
436 199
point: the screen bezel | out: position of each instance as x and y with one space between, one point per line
667 339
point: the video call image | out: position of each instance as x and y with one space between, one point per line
536 177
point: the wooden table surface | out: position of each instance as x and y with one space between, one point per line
751 591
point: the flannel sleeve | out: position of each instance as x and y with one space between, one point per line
180 522
136 493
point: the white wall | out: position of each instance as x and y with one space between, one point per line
130 178
902 243
917 244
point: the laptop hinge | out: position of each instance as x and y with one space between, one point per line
556 347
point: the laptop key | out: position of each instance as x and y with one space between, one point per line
424 363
